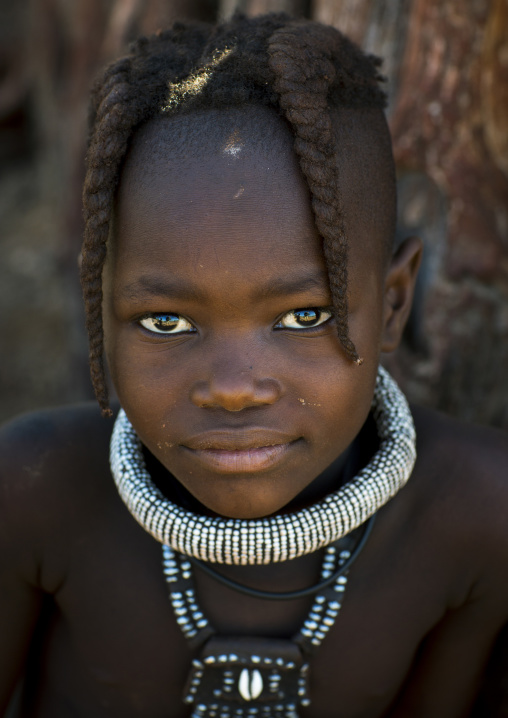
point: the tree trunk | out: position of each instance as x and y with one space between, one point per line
449 127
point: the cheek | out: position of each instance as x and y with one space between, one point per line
337 393
337 404
148 379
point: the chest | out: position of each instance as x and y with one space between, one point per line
116 648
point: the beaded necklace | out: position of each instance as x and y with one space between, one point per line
252 677
280 537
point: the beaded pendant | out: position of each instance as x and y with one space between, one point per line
248 677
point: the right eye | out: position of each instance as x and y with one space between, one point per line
167 323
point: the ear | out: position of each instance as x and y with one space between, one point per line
399 289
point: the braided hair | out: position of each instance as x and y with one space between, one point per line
300 68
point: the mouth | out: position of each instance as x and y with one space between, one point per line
245 453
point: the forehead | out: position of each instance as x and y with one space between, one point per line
229 207
218 164
239 165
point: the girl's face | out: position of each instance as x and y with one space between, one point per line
219 334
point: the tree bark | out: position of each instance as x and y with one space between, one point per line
447 126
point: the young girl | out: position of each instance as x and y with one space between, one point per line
239 276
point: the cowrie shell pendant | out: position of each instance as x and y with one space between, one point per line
250 684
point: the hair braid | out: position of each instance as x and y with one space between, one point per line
120 100
301 59
300 68
113 125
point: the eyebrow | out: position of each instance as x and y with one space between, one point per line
296 284
148 287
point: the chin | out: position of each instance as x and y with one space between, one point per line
234 504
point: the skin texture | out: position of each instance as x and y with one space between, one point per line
428 595
184 234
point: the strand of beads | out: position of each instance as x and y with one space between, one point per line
192 621
327 604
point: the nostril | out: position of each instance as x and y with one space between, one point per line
235 393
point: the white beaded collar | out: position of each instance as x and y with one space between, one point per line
280 537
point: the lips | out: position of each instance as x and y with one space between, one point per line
240 452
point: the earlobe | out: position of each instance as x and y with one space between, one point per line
399 289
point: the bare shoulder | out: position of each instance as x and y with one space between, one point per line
49 447
53 472
466 459
453 515
462 484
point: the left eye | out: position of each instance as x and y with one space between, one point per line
301 318
167 323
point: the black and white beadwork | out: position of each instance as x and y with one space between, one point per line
280 537
247 676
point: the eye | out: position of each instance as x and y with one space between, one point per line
302 318
167 323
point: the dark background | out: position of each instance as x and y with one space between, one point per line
447 65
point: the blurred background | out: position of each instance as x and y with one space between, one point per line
447 70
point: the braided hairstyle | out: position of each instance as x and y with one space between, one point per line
298 67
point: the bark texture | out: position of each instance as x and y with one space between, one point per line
450 123
447 70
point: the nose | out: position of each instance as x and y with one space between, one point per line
234 388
